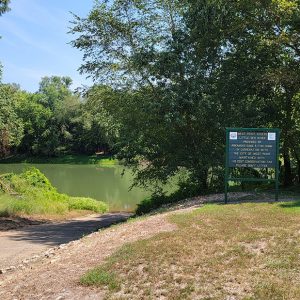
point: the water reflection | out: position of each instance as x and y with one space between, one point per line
101 183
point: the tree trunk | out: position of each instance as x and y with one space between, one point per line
298 171
204 183
288 177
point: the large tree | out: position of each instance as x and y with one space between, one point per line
165 116
185 70
55 95
253 48
11 126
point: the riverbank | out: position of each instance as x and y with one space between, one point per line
108 182
64 159
236 251
31 195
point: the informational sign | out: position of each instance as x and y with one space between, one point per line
252 148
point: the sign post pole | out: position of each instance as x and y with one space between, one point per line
277 169
254 148
226 166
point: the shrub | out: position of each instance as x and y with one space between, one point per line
36 195
87 204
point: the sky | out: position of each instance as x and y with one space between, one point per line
34 41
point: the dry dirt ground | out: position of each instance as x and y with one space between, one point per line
56 277
56 273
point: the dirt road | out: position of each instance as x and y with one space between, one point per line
19 245
57 277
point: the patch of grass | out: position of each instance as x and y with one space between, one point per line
100 277
34 195
238 251
107 162
5 203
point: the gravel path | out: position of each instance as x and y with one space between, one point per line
18 246
56 276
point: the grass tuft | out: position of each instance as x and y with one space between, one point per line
100 277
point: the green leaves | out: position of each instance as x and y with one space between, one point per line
182 71
4 6
120 40
11 127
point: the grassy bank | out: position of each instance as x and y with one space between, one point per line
66 159
244 251
31 193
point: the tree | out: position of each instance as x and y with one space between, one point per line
11 127
4 6
35 118
58 103
121 40
163 114
54 90
253 49
95 129
182 71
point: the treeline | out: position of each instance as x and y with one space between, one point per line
53 121
171 76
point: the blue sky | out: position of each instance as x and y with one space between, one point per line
35 41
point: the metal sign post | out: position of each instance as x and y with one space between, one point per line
252 148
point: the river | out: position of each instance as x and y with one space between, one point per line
101 183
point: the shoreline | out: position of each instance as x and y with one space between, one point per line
77 159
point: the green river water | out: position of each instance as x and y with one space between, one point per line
101 183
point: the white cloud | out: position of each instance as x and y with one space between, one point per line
25 37
32 12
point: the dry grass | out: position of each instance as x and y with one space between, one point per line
242 251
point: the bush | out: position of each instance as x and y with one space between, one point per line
36 196
185 190
86 204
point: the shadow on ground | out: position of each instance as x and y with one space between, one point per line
61 233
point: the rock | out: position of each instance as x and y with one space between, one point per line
21 266
53 261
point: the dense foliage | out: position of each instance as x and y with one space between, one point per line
53 121
185 70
